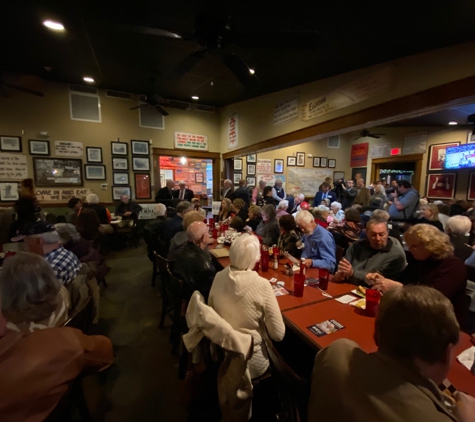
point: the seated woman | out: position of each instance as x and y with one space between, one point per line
254 217
429 215
72 240
268 229
350 231
267 196
282 208
289 241
379 192
321 214
431 263
31 296
226 209
74 205
239 208
238 224
458 228
338 213
245 300
197 207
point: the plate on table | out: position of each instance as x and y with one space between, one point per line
360 291
360 304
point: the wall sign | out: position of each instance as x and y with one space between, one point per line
68 149
286 111
60 195
233 133
415 143
148 212
264 165
359 155
13 167
380 150
191 141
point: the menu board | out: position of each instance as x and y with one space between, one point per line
191 141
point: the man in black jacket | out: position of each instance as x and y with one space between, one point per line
173 225
165 194
243 193
348 194
127 209
183 194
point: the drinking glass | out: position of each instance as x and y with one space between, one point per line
323 275
299 281
372 302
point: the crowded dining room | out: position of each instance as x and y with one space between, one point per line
229 212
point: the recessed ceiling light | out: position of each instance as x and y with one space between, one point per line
88 79
55 26
453 123
252 71
195 97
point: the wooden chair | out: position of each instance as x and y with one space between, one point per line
163 269
82 319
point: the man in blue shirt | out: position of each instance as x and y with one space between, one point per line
405 201
319 245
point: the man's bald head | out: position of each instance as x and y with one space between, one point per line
197 232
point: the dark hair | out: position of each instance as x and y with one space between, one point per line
325 184
72 202
287 222
456 209
237 223
87 224
443 209
266 190
239 203
352 214
404 184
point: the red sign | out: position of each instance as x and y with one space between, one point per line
359 155
396 151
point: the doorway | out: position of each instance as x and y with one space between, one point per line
401 167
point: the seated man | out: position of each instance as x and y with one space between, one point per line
174 225
415 331
319 245
179 240
92 202
193 265
377 253
127 209
42 239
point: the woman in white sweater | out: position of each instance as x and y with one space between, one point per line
244 299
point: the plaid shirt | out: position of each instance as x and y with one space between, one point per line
65 264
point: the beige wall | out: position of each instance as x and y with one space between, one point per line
51 114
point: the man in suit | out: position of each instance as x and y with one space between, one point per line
183 194
243 193
325 193
348 194
174 225
294 202
415 331
228 191
165 194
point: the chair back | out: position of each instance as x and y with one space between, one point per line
82 319
340 253
162 264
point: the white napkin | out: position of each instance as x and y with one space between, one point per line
346 299
467 357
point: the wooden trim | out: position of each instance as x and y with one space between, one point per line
416 158
451 94
398 158
186 153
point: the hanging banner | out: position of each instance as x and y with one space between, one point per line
233 134
13 167
286 111
148 212
60 195
264 165
359 155
68 149
191 141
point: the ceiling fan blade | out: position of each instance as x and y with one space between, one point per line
373 135
21 89
186 65
161 110
3 91
358 137
155 31
241 71
379 134
139 106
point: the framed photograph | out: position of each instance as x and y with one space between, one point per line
331 163
337 175
140 164
237 178
120 178
140 148
323 162
251 158
118 191
94 154
437 155
142 186
470 137
237 164
9 191
316 161
441 185
50 172
120 163
10 143
95 172
251 169
251 181
300 159
119 148
291 161
358 173
199 177
278 166
471 187
38 147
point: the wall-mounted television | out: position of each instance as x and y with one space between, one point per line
460 157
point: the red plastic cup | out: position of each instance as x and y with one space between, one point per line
276 252
256 267
372 302
211 222
323 276
265 260
215 233
299 281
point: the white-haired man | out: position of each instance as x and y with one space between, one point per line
165 194
278 192
92 202
228 191
41 238
183 194
294 203
319 250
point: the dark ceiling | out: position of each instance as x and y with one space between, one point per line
351 35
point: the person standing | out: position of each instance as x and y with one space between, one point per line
258 193
349 194
165 194
228 191
278 192
243 193
183 194
363 196
404 202
324 193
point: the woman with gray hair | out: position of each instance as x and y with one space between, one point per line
31 296
268 229
245 299
458 228
282 208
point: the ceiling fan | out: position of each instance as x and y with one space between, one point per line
5 86
366 133
153 100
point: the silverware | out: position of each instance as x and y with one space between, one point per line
325 293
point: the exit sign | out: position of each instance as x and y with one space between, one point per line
395 151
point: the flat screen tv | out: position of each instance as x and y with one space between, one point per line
460 157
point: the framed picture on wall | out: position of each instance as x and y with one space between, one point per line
437 155
331 163
95 172
140 164
119 148
323 162
142 186
278 166
251 182
471 187
237 164
121 178
94 154
38 147
470 137
118 191
237 178
120 163
358 173
49 172
300 159
441 185
251 158
9 191
140 147
316 161
199 177
291 161
251 169
337 175
10 143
